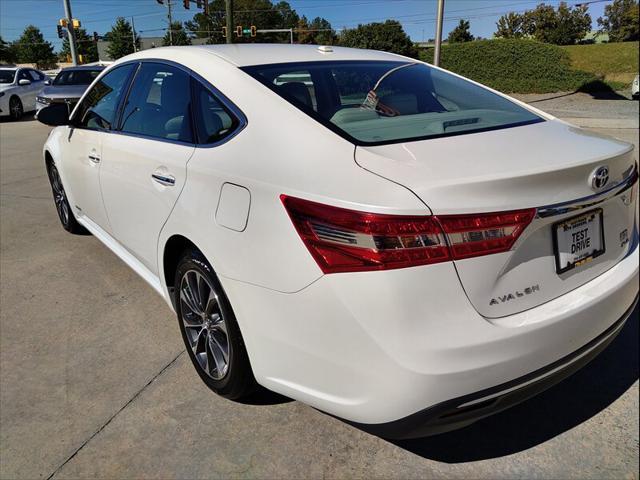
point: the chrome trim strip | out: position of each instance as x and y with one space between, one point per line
591 200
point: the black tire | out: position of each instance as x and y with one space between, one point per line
201 324
16 110
65 214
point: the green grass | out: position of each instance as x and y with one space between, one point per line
616 63
514 66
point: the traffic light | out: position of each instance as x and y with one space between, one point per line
254 31
96 37
63 22
60 31
75 23
186 4
224 32
239 31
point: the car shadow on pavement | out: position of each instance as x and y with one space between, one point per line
27 117
561 408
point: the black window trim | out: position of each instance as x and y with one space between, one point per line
253 72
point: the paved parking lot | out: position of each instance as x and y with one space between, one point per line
94 381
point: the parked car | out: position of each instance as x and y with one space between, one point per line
384 240
635 88
18 89
68 86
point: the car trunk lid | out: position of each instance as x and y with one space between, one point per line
548 166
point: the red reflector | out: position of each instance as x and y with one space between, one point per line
342 240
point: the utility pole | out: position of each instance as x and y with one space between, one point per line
291 35
436 54
71 32
133 34
229 15
170 22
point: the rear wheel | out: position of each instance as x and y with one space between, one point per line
68 221
209 329
15 108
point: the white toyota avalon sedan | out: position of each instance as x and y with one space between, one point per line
382 239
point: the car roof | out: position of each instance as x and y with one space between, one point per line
6 67
242 55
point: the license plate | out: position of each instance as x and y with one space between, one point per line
578 240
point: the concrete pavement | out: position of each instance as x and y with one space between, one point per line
94 381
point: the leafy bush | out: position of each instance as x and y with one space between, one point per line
513 65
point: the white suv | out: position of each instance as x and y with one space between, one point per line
377 237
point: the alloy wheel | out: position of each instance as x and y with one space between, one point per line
59 196
204 324
15 108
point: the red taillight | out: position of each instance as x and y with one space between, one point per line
343 240
483 234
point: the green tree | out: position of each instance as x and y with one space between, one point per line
562 26
120 39
84 44
178 36
317 32
621 21
262 13
31 47
510 26
462 33
7 52
388 36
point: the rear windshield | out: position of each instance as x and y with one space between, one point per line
7 76
374 102
76 77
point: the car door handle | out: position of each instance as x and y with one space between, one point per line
167 180
94 158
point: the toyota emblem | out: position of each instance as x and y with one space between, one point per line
599 177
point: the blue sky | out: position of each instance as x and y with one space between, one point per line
417 16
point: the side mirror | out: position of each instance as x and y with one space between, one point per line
24 82
54 115
47 82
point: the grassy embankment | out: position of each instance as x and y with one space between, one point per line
526 66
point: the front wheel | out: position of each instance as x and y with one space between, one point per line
16 109
68 221
209 329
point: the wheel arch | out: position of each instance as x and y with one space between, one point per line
173 248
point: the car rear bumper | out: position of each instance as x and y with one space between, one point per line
462 411
377 348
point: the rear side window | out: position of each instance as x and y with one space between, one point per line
159 104
214 121
380 102
99 107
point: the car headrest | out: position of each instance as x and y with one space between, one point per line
298 91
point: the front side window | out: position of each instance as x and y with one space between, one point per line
159 104
24 75
99 107
379 102
76 77
214 121
34 76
